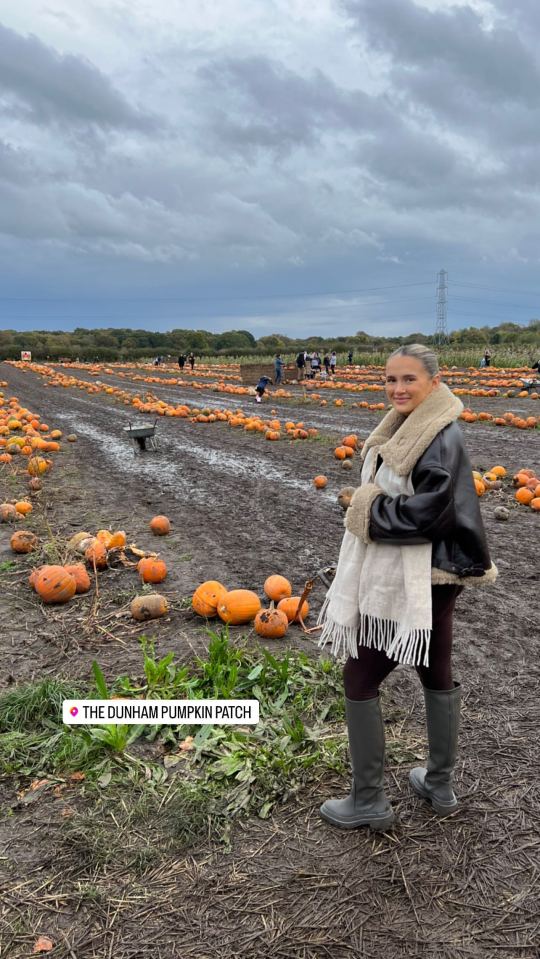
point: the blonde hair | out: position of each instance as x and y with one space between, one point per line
418 351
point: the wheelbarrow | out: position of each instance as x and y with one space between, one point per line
143 436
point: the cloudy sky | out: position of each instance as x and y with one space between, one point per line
295 166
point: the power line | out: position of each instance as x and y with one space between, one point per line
491 289
211 299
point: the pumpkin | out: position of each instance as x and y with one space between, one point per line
290 605
151 569
206 598
320 482
498 470
37 465
501 513
149 607
104 536
54 584
271 623
346 465
118 540
33 576
23 541
71 438
35 484
8 513
160 525
479 487
524 495
277 587
80 575
23 507
96 554
535 503
238 606
350 440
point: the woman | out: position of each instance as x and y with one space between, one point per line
414 538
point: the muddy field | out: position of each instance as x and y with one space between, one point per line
243 508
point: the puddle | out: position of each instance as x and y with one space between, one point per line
170 472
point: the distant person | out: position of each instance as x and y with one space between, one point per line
278 368
300 365
156 361
536 366
260 389
349 357
191 361
315 364
487 357
482 362
182 361
326 363
333 362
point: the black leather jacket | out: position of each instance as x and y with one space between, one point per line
443 511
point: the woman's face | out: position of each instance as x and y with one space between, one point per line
408 383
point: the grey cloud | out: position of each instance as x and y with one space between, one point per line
56 87
264 104
494 62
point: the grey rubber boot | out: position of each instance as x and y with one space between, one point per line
435 782
367 804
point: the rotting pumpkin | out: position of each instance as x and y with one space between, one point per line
54 584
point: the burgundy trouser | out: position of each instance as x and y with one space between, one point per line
363 676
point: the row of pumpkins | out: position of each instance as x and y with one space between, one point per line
237 607
525 482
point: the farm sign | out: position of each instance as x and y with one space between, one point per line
26 356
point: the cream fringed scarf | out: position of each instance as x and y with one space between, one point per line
381 593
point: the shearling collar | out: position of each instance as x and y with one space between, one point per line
402 440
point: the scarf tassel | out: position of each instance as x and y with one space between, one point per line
408 646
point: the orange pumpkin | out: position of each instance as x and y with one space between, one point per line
104 536
238 606
54 584
290 605
23 541
160 525
277 587
37 466
23 507
524 495
118 540
480 487
96 554
320 482
151 569
271 623
34 575
81 577
535 503
206 598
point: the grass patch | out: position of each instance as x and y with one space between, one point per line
190 782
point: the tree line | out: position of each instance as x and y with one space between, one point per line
128 344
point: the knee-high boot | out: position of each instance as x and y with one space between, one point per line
435 782
367 804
